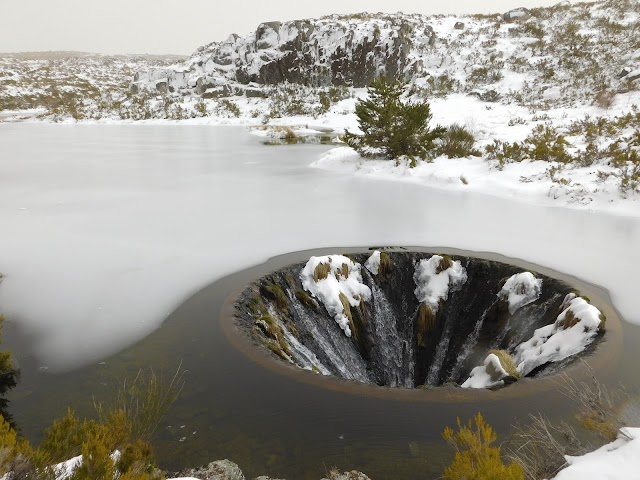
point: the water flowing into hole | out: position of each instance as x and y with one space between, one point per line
407 319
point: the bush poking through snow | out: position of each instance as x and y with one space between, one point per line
457 142
393 128
475 457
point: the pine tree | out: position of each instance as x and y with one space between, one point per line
391 127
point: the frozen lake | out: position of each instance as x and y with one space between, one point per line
106 229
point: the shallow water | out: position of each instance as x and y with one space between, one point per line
106 229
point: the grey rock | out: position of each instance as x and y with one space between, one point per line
162 87
263 30
517 14
218 470
625 71
264 477
459 26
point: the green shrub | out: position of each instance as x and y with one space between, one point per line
457 142
9 376
475 457
8 441
391 127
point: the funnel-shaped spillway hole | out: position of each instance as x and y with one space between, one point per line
404 319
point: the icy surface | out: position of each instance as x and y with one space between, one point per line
106 229
373 262
521 289
433 286
618 460
487 375
558 341
328 289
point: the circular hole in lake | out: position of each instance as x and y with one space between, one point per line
398 318
272 418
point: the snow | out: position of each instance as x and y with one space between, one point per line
328 290
480 376
619 460
556 342
432 286
373 262
520 289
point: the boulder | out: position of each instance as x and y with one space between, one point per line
218 470
162 87
517 14
459 26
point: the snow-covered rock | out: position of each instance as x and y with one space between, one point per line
574 329
435 278
519 290
373 262
488 375
332 278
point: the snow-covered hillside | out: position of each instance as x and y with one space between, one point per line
566 75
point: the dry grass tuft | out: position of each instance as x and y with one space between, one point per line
507 362
426 323
321 271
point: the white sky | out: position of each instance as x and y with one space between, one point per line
179 27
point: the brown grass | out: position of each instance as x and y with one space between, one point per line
604 99
568 321
445 264
347 311
321 271
386 266
343 271
507 362
426 323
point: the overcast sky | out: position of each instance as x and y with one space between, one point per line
179 27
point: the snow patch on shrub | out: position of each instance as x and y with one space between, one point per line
520 290
342 277
433 282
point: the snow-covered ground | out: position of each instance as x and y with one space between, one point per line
619 460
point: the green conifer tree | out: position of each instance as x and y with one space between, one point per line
391 127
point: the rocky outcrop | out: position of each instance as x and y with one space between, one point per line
517 14
314 53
